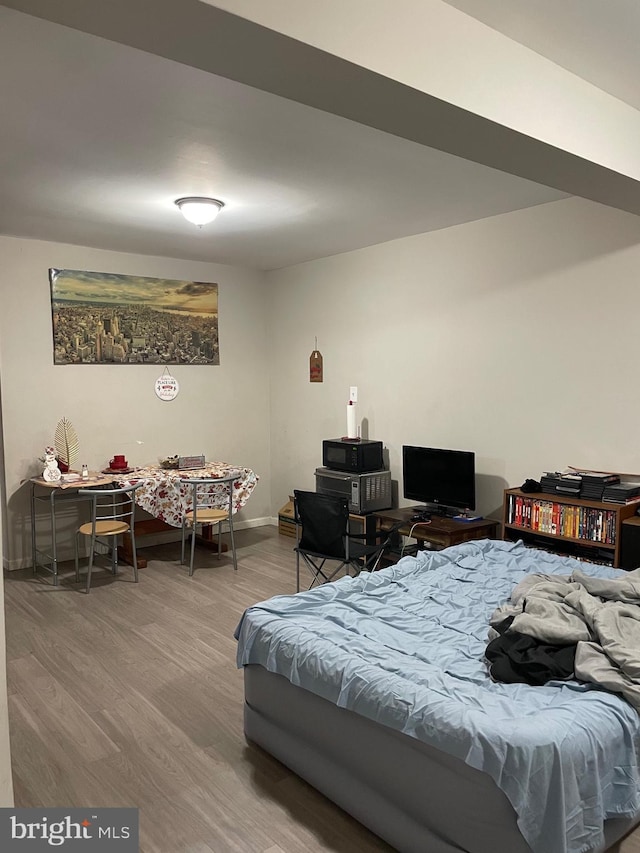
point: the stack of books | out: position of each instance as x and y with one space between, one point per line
554 483
622 493
593 485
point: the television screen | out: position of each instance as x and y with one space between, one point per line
442 477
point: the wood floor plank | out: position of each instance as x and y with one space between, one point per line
57 711
40 778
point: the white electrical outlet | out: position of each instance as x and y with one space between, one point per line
353 394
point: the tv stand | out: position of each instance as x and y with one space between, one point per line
440 532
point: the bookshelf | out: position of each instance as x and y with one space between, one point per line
567 525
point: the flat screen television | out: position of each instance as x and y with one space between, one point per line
439 478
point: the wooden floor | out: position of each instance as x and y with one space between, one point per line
130 697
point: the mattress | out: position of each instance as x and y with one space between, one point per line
413 796
404 648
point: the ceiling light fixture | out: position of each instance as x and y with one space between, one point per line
199 210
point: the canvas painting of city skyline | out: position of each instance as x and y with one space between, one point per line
105 318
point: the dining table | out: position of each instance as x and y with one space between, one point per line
54 494
165 494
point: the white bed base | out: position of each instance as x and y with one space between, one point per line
412 795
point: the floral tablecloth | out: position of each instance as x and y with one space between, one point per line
166 492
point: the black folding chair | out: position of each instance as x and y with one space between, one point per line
323 536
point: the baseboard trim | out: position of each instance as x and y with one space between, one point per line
147 541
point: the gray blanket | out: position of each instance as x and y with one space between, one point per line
600 615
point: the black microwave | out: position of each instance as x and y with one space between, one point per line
354 456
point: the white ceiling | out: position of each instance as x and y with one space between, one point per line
97 139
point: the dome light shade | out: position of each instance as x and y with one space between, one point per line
199 210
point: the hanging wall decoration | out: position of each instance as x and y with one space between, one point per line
167 386
315 365
105 318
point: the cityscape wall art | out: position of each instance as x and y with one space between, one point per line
105 318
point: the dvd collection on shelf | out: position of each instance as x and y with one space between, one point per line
557 519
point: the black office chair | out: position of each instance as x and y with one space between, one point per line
322 535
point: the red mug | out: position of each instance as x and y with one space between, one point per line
119 461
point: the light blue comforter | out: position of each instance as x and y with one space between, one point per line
405 647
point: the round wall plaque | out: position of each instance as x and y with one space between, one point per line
167 387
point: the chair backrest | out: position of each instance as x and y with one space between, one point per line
212 493
325 523
112 504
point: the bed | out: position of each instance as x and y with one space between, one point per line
375 690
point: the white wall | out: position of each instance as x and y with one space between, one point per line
514 336
221 411
6 782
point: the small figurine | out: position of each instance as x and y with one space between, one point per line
51 471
